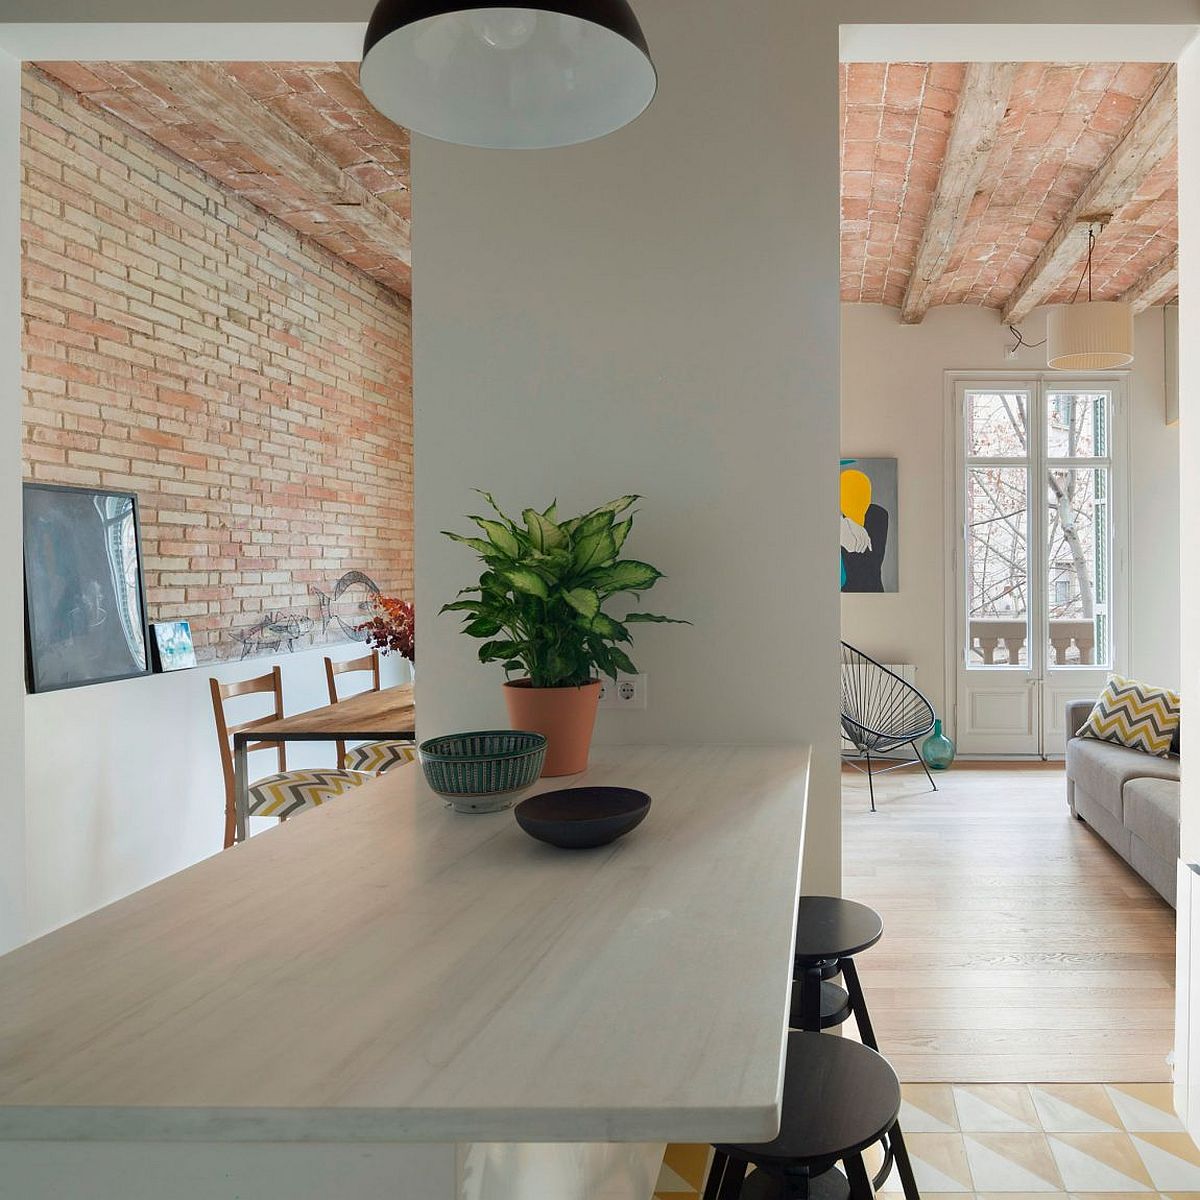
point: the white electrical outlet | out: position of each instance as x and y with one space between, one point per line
628 692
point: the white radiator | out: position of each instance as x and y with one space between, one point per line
906 671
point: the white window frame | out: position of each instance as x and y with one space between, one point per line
956 383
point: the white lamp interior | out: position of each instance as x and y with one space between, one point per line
508 78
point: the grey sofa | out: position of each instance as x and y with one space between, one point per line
1129 798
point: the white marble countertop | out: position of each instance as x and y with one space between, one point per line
383 969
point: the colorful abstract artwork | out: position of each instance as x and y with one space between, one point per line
869 503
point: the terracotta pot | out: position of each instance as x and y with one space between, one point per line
566 715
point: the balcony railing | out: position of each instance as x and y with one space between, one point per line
1000 641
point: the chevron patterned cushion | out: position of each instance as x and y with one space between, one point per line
1135 715
289 792
378 757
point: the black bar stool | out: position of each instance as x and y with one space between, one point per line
839 1098
830 931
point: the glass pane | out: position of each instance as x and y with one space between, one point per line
997 566
1078 576
997 424
1076 424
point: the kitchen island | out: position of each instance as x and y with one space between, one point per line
384 997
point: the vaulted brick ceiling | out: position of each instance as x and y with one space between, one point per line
1060 123
298 140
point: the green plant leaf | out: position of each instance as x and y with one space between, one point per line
594 549
500 535
543 533
472 606
621 531
592 522
476 544
619 505
622 661
551 514
482 627
514 664
630 618
628 575
606 627
527 581
493 505
493 651
583 600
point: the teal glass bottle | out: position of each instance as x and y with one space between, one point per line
937 750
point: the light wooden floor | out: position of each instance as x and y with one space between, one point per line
1017 946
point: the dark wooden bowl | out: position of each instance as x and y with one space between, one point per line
583 817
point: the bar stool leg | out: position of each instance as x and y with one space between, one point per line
908 1179
858 1004
810 1000
716 1173
735 1176
860 1181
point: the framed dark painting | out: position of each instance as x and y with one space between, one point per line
85 602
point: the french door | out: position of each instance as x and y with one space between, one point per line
1038 557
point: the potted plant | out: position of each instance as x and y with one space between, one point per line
539 608
392 630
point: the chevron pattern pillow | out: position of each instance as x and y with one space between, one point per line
1133 714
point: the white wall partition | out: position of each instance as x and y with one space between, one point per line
630 316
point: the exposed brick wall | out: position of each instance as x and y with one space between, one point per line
321 103
252 388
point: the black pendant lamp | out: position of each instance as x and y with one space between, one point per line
546 74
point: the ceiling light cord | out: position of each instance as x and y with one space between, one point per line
1087 267
1021 341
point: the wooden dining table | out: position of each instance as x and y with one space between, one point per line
388 714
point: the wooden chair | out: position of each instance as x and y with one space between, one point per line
284 792
375 757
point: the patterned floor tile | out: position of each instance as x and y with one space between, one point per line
1075 1108
939 1162
685 1166
1021 1142
1172 1160
996 1108
1145 1107
1099 1162
1012 1162
928 1108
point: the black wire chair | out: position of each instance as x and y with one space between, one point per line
881 712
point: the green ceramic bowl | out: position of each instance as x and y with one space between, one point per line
479 772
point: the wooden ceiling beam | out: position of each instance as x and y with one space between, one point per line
981 108
1145 143
1159 283
203 87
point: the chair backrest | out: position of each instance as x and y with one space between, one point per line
879 709
368 662
272 682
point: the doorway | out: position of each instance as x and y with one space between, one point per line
1038 538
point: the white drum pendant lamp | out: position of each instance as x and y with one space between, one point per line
1092 336
527 78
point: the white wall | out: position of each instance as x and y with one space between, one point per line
894 404
123 780
650 313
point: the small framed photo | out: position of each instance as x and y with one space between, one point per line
171 645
